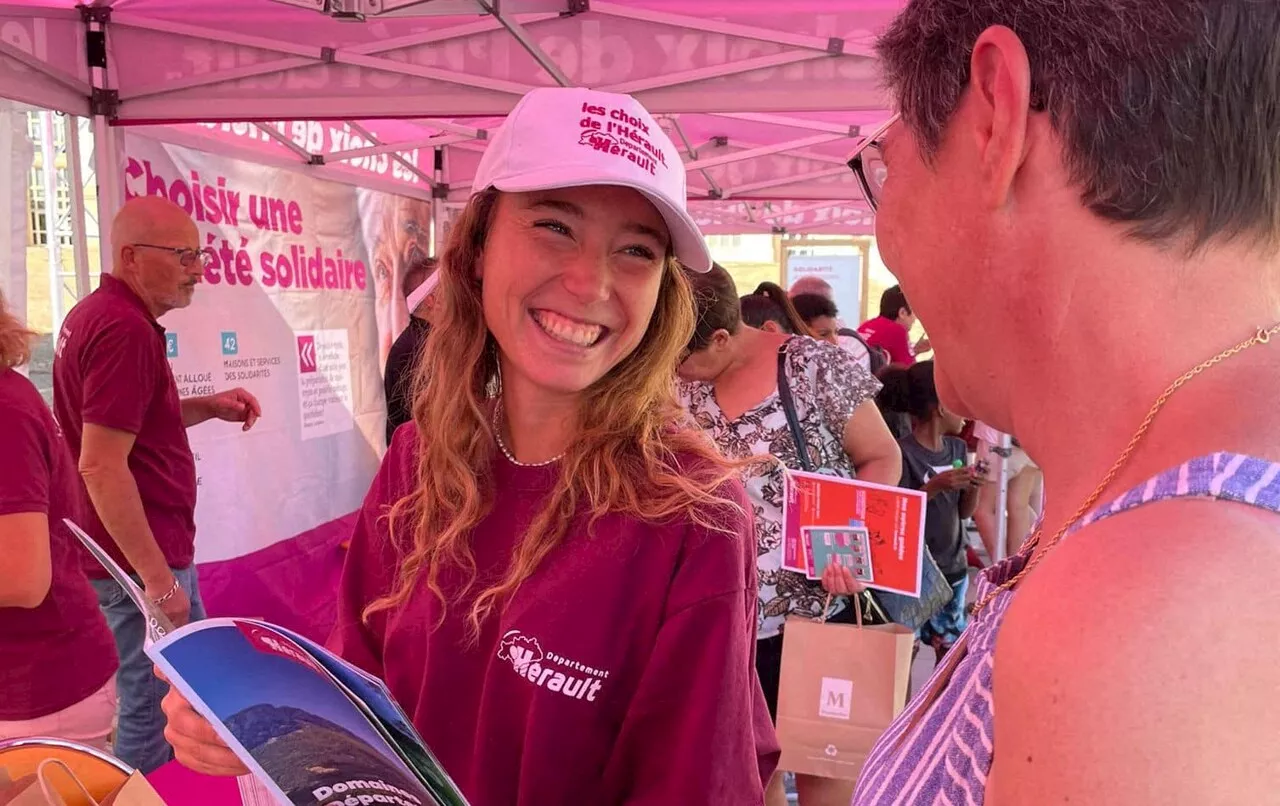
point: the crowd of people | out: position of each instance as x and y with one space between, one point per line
1063 188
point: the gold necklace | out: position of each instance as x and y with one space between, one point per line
1261 337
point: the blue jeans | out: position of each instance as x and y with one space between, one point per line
140 733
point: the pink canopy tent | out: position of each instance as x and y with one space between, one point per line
766 99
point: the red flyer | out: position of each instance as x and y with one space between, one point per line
892 517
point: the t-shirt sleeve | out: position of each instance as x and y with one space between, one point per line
985 433
368 573
119 375
27 468
841 384
698 728
898 342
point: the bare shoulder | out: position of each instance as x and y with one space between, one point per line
1138 664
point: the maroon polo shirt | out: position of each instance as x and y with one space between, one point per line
57 654
621 672
110 368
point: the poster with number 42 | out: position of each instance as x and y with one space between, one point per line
877 531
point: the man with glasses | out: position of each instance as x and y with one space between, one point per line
117 402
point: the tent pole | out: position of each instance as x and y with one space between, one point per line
106 166
1002 499
49 173
75 178
437 203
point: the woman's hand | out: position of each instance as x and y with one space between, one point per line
839 581
195 744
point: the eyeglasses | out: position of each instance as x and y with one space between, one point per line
867 163
187 256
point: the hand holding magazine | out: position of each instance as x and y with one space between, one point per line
314 730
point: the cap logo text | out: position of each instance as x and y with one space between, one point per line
617 132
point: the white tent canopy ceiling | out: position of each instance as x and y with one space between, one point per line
766 99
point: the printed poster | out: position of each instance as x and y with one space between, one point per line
287 310
324 383
842 272
891 518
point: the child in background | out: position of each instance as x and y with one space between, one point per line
935 460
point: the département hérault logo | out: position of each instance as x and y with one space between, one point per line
549 670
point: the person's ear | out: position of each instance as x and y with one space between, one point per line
720 339
770 326
1000 94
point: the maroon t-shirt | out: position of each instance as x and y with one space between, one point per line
621 672
890 336
110 368
57 654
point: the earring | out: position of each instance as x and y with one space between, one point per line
493 389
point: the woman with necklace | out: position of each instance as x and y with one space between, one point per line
555 579
1083 201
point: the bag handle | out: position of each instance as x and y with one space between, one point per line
54 797
789 409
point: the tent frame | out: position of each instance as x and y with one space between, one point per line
102 98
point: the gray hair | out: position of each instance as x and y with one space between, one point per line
809 284
1168 110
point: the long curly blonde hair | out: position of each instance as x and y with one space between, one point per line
15 339
634 454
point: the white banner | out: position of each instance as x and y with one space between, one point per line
842 272
287 312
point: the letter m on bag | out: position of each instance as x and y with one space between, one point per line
836 698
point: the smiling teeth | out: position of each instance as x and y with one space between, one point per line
567 330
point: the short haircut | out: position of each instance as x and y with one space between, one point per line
1168 110
909 390
814 306
892 301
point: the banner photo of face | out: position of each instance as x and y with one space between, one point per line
397 231
287 311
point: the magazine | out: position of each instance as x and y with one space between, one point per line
313 729
876 531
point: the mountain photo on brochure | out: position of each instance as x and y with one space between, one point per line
285 717
373 696
867 522
312 728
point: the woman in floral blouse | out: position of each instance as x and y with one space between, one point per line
731 390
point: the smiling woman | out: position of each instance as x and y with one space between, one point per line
554 575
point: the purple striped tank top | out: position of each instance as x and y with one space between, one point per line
940 752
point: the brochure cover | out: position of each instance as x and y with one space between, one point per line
313 729
825 507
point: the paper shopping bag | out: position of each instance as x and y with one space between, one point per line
136 791
14 791
841 687
53 784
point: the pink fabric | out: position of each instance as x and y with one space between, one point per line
179 786
293 583
87 722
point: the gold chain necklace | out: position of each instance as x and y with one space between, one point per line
1262 337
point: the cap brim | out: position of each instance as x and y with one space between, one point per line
687 242
418 295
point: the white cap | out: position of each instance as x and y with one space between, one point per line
561 137
417 295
